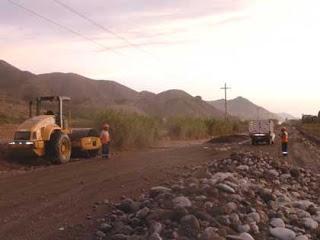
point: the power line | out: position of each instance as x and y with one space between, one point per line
63 27
68 29
225 88
105 29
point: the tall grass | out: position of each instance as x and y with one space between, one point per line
186 128
129 129
132 130
197 128
312 128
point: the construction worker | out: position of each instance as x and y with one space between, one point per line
105 140
284 141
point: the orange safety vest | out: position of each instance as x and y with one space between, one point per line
284 137
105 137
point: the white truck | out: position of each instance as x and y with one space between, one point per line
261 131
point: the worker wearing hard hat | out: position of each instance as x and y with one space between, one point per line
284 141
105 140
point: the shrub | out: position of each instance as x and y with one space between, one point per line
129 129
186 128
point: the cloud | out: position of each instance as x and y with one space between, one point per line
120 15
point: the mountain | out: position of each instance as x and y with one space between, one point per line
20 86
175 103
285 116
244 109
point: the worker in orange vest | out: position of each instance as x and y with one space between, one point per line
105 140
284 141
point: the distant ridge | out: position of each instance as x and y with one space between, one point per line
245 109
85 92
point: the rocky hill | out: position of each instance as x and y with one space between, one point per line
287 116
17 85
245 109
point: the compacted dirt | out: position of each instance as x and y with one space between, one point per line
62 202
35 204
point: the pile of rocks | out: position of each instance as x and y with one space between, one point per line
243 197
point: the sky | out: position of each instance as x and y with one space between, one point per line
267 50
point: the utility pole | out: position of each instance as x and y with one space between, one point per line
225 88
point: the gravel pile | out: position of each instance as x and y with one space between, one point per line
243 197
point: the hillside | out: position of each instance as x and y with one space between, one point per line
245 109
20 86
286 116
175 103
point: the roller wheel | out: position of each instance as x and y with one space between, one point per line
59 148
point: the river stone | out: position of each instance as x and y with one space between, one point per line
220 177
159 189
246 236
209 234
225 188
104 227
273 173
119 236
155 236
155 227
234 219
230 208
243 168
128 205
277 222
283 233
242 236
310 223
182 202
254 217
243 228
303 204
189 226
142 213
295 172
254 227
301 237
100 234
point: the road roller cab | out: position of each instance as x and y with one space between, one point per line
49 134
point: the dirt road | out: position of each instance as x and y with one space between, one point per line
61 202
37 203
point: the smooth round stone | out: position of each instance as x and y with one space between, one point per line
310 223
182 201
225 188
254 217
283 233
246 236
189 226
277 222
302 237
243 228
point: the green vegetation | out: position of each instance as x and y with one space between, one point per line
186 128
5 119
312 128
130 130
133 130
197 128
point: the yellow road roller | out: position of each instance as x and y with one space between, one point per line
47 134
